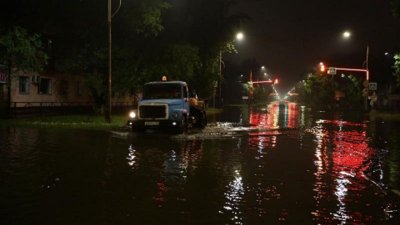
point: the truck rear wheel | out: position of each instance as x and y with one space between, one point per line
202 120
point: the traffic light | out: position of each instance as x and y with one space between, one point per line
322 67
276 81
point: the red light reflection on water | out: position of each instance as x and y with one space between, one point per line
278 115
342 155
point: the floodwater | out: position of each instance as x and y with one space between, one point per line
281 164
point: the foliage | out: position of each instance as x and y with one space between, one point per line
396 7
261 93
352 89
149 19
209 26
396 68
149 38
22 51
182 62
318 91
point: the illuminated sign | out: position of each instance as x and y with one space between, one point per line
373 86
332 71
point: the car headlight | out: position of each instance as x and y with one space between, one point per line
132 114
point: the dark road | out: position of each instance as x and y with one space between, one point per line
281 164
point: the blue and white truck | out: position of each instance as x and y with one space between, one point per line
167 105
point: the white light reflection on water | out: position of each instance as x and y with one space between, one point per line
234 197
131 157
321 165
341 192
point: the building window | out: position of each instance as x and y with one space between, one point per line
24 85
45 86
64 87
78 89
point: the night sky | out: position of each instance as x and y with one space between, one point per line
290 37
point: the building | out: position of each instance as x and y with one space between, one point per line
33 93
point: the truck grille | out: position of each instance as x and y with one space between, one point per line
152 111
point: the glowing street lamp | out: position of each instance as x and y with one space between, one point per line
346 34
239 37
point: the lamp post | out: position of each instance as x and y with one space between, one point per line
107 113
108 100
347 35
239 36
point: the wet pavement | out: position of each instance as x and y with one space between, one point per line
278 164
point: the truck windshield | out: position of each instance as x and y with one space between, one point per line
162 91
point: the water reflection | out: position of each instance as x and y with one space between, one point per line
234 197
343 158
289 169
278 115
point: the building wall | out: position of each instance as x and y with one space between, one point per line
59 93
65 88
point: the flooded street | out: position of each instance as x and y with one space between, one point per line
281 164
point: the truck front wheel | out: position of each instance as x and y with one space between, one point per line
182 126
201 120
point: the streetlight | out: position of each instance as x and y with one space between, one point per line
346 35
239 37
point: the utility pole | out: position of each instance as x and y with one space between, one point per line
107 112
367 58
367 80
220 78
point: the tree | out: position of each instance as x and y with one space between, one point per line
316 91
319 91
20 51
150 38
396 68
209 26
396 7
351 87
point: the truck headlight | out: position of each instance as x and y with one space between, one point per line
132 114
